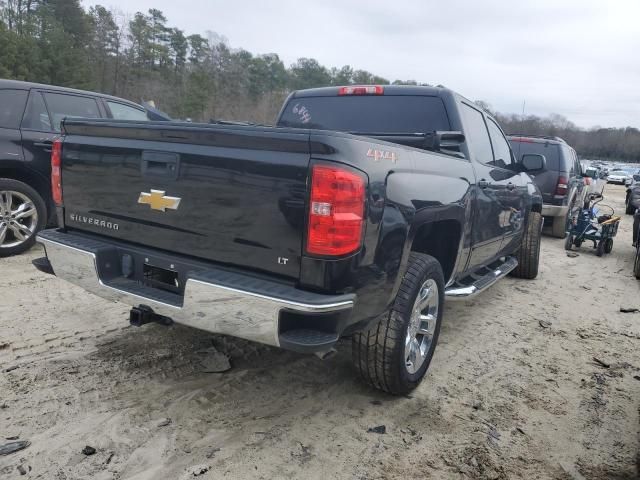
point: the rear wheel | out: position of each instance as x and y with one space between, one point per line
22 214
559 226
395 354
568 243
629 208
608 245
528 255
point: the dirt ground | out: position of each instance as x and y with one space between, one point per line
514 390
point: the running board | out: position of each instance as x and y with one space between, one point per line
478 281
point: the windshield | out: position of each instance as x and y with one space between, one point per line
367 114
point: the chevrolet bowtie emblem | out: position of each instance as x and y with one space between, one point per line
158 201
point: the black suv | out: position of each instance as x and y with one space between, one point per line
561 184
30 116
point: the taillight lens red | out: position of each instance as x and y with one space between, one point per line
362 90
336 211
563 186
56 171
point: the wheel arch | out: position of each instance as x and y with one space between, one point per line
440 239
35 180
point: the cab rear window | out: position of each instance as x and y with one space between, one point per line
551 151
12 104
367 114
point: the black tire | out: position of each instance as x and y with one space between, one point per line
568 242
559 226
629 209
636 263
600 248
10 185
528 255
379 353
608 245
577 243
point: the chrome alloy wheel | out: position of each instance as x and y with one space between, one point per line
422 326
18 218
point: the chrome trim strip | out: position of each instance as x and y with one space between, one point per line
207 306
470 291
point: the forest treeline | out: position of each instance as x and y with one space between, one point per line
141 57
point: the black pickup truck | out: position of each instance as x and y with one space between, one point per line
356 216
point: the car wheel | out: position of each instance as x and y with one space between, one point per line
23 214
568 243
629 208
394 355
559 226
608 245
528 255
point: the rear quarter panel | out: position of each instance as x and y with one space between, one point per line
407 189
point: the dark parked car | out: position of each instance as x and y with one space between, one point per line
300 235
30 116
562 183
636 243
632 201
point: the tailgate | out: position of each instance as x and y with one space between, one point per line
234 195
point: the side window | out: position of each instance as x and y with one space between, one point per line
120 111
11 108
570 160
62 105
36 116
476 134
501 150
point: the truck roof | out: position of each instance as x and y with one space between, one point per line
20 85
535 139
388 90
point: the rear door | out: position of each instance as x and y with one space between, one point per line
491 180
513 192
12 104
41 125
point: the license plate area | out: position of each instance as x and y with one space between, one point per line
161 278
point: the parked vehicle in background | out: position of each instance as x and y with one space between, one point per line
593 181
562 183
30 117
618 177
300 235
632 201
636 243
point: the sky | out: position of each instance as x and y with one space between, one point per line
579 59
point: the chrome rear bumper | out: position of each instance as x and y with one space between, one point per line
217 301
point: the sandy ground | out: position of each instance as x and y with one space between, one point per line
513 391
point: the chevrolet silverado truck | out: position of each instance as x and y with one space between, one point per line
356 216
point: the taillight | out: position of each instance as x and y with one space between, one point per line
361 90
56 171
562 186
336 211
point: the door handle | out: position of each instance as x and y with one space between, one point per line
510 186
483 183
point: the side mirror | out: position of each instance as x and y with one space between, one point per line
533 162
445 142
